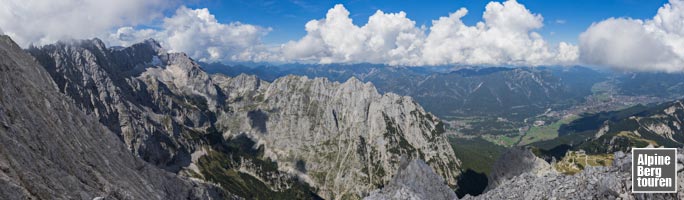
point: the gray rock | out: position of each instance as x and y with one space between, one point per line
49 149
344 139
514 162
350 136
610 183
414 180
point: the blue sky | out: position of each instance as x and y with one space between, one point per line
287 18
640 35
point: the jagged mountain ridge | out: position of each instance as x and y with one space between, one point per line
174 115
655 125
607 132
52 150
493 91
96 78
345 141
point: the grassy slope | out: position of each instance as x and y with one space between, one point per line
542 133
574 162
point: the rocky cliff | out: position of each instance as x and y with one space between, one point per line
49 149
294 137
345 138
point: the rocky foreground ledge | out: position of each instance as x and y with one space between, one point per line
613 182
414 180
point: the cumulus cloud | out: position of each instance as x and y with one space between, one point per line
43 22
198 33
645 45
505 37
386 38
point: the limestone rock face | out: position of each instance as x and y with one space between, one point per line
343 139
346 137
50 149
141 93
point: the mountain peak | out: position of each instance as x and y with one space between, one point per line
86 43
34 114
152 43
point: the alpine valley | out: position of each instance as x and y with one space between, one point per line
139 122
340 100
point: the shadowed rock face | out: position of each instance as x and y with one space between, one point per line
414 180
592 183
150 98
532 181
49 149
343 139
516 161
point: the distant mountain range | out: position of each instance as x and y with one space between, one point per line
638 126
82 120
501 90
514 93
289 138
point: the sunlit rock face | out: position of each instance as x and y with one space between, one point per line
342 139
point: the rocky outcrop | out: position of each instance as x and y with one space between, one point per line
514 162
415 181
593 183
534 182
49 149
343 139
154 110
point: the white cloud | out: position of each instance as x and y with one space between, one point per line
126 36
505 37
386 38
198 33
43 22
645 45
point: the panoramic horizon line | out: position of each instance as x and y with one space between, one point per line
506 36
